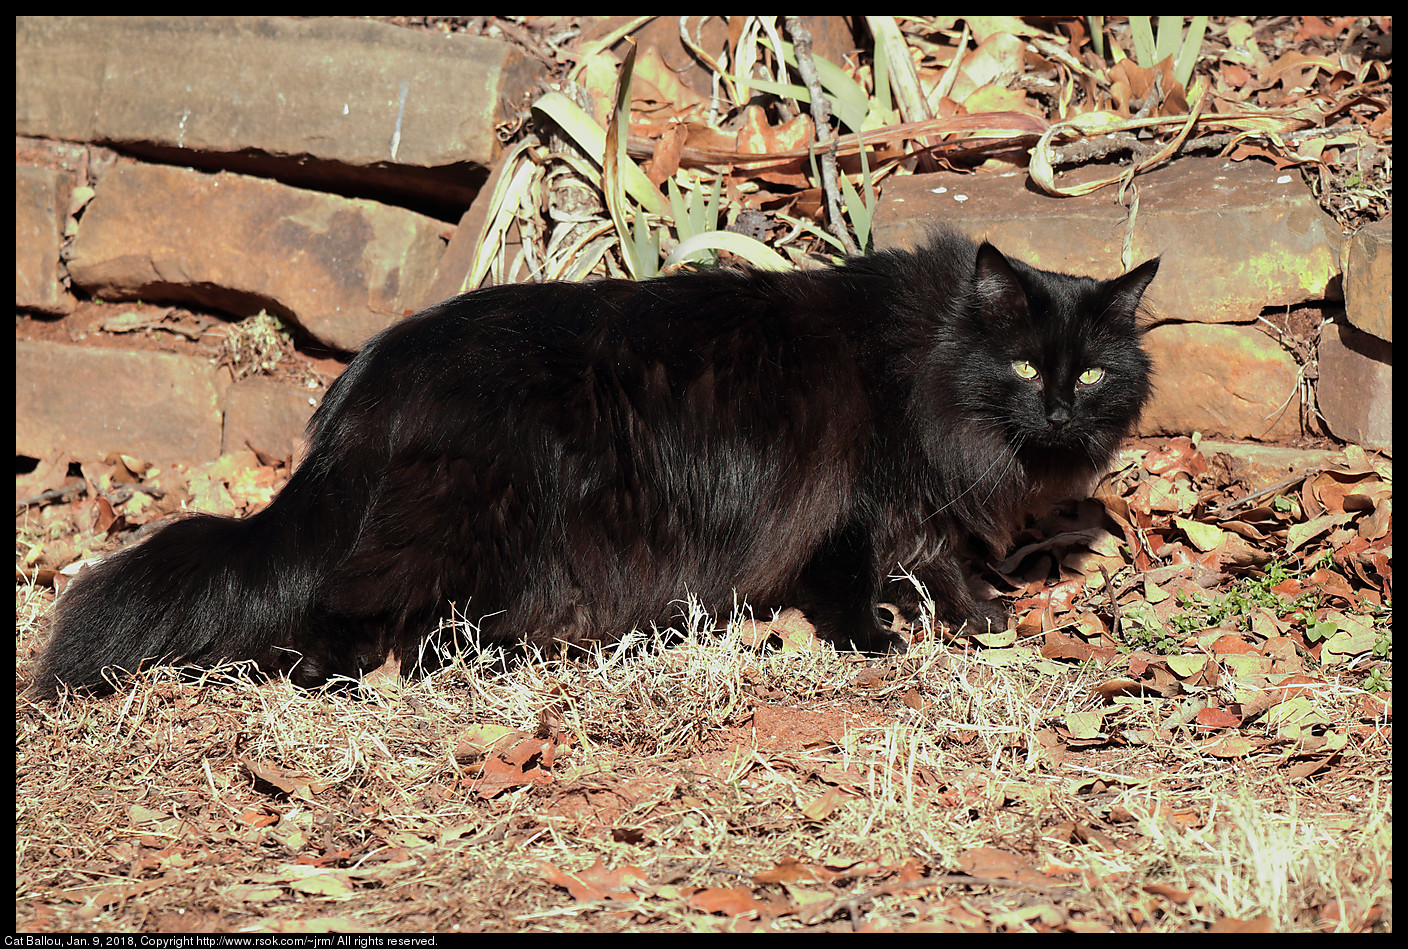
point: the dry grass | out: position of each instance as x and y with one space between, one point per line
702 785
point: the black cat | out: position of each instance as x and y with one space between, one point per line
569 461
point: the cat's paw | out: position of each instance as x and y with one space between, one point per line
879 642
986 616
870 640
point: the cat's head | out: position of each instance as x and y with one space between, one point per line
1056 360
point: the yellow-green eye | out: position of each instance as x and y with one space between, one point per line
1091 376
1024 369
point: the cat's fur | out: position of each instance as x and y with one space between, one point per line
569 461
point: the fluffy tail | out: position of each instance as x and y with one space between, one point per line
200 590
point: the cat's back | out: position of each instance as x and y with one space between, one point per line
724 344
683 322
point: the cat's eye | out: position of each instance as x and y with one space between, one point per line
1024 369
1091 376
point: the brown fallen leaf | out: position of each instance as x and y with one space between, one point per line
997 864
514 764
1211 718
1232 924
736 901
821 807
296 785
596 882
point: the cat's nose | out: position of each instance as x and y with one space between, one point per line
1057 417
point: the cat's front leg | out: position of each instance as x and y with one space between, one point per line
941 588
838 592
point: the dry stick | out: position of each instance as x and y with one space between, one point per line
117 495
1114 603
1274 489
821 118
51 495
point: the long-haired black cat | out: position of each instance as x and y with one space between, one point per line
569 461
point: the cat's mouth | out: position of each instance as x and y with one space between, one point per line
1055 445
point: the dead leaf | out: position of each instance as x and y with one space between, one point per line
1205 537
1058 645
478 740
737 901
1230 746
1232 924
1000 865
1355 637
792 870
1329 584
325 883
1217 718
596 882
1231 644
1111 689
296 785
821 807
665 160
514 762
791 626
1085 726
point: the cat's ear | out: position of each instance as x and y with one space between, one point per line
1125 293
999 291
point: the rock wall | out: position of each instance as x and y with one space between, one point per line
315 168
312 168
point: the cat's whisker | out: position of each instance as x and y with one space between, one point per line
1011 457
1012 460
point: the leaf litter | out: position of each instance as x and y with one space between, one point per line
1187 728
1052 778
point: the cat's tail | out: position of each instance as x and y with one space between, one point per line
200 590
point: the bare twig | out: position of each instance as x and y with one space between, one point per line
1114 603
1276 488
821 118
118 495
67 493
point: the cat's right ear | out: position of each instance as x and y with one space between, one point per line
999 291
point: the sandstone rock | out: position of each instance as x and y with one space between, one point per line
160 407
1368 279
1229 381
1235 237
267 415
342 268
41 198
1262 466
1355 389
332 102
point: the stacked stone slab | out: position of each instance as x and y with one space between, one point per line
238 164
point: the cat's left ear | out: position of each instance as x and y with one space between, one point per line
1125 293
